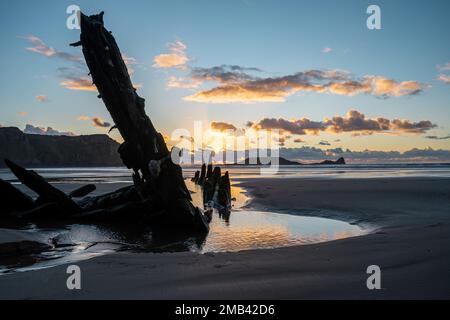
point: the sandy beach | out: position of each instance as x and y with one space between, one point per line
410 241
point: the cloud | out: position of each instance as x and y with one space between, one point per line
30 129
176 58
222 126
383 87
438 138
42 98
444 70
75 78
354 122
23 113
80 84
367 156
181 83
243 87
224 74
99 122
324 143
39 46
298 127
96 121
445 67
411 127
327 50
444 78
298 140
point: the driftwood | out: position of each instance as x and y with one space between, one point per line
159 195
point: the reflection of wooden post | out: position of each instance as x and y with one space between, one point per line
144 149
196 177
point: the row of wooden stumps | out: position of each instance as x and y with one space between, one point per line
216 188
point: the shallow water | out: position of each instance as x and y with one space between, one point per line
243 229
122 175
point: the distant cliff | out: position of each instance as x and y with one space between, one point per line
57 151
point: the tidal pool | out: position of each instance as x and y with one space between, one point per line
247 229
243 229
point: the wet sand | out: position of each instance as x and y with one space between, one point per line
410 241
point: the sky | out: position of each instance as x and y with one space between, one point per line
311 69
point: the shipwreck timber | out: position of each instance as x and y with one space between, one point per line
158 196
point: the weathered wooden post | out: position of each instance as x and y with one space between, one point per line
144 149
202 178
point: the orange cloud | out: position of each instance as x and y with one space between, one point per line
81 84
42 98
241 87
238 93
381 86
176 58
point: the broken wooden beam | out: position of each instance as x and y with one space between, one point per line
13 200
144 149
82 191
47 193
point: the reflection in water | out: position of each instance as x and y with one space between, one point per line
240 230
247 230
